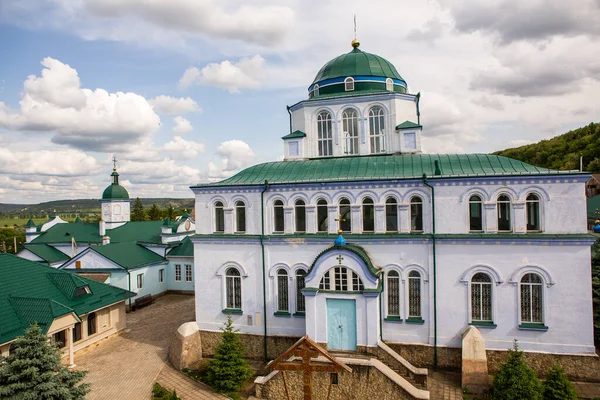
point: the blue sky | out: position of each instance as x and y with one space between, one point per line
187 91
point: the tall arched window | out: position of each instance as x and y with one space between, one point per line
389 85
368 215
504 220
325 134
481 298
393 289
414 295
315 90
349 84
475 214
300 304
345 215
240 216
219 217
533 213
416 214
531 299
233 289
376 129
300 211
391 215
322 216
341 279
278 222
283 303
350 129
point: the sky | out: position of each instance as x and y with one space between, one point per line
190 91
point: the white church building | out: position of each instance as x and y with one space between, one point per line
358 237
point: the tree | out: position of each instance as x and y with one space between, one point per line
557 386
137 211
33 371
154 213
515 380
228 369
171 212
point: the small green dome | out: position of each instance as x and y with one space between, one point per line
115 192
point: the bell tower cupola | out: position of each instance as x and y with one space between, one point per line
115 203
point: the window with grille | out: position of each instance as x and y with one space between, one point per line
391 215
531 299
416 214
376 130
346 216
350 129
177 273
188 273
219 217
322 216
504 220
278 218
533 213
475 214
300 284
325 134
283 303
240 216
414 294
481 298
233 289
393 292
341 279
368 215
300 212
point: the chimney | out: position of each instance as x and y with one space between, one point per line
105 240
102 227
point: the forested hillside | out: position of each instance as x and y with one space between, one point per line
563 152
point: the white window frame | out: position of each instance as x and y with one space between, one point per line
237 215
349 84
140 281
376 118
188 268
482 211
410 213
539 211
346 275
298 291
273 207
316 90
177 272
395 203
225 284
492 295
389 85
510 212
542 285
222 208
324 134
350 129
408 297
282 276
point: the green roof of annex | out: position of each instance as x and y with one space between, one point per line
383 167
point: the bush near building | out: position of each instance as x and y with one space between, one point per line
516 380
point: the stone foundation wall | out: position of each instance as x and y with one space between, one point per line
253 343
363 383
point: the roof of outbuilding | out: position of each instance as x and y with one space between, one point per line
294 135
184 249
82 232
47 253
32 292
408 125
382 167
128 255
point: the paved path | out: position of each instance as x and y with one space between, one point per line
126 367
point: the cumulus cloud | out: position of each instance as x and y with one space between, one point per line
235 155
489 102
165 171
184 149
181 125
172 105
245 74
82 118
45 162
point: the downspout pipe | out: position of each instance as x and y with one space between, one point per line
264 275
433 242
381 306
129 286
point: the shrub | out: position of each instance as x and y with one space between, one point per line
160 393
557 386
515 380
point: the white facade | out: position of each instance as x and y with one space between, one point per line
115 212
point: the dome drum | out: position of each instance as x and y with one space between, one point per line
361 84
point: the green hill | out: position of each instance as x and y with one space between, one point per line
562 152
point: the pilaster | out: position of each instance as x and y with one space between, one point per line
311 218
332 214
379 218
404 214
519 219
356 218
491 218
228 219
288 219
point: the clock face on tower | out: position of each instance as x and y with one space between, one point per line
188 225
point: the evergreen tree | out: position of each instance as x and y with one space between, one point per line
137 211
33 371
154 213
557 386
515 380
228 370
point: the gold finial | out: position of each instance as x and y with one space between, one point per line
114 163
355 42
339 220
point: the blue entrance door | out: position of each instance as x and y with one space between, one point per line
341 324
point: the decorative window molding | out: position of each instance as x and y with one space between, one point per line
389 85
481 268
415 267
273 270
477 191
341 279
349 84
532 299
221 270
540 191
516 277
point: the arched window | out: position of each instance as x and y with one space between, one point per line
315 90
376 130
283 304
233 289
475 214
322 216
504 221
416 214
533 213
341 279
240 216
368 215
300 304
531 299
345 215
278 223
92 325
393 289
325 134
481 298
389 85
300 211
219 217
350 129
414 295
349 84
391 215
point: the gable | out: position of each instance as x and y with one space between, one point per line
90 260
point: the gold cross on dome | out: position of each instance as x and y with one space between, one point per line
339 220
114 160
340 259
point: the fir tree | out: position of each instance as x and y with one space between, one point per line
33 371
154 213
557 386
515 380
228 370
137 211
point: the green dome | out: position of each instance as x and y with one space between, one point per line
115 192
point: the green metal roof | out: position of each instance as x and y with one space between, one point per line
353 248
47 253
32 292
408 125
30 223
82 232
128 255
185 249
115 192
357 63
294 135
382 167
